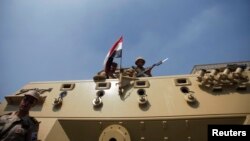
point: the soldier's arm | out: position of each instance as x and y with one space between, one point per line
28 136
32 132
103 73
148 72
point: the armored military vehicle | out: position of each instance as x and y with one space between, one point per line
164 108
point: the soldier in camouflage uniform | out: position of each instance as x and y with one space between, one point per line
19 126
140 71
110 73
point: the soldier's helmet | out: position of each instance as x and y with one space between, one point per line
34 94
139 59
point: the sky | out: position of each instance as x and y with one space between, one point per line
54 40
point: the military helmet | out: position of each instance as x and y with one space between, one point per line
33 93
139 58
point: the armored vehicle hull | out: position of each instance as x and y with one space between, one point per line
151 108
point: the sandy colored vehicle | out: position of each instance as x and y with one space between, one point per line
163 108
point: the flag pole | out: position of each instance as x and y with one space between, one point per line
120 91
120 65
121 56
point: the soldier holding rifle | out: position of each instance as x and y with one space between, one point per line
140 71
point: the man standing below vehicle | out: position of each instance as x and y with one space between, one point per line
19 126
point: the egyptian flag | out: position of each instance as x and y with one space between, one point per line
114 52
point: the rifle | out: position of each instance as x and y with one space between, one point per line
40 91
142 73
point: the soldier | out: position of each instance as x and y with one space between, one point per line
140 70
19 126
110 72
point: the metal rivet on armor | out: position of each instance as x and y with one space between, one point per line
143 139
100 124
142 125
187 123
164 124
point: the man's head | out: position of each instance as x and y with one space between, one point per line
140 61
113 66
30 99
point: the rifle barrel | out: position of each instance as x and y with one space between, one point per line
164 60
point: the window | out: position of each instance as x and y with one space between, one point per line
182 82
141 84
67 87
102 85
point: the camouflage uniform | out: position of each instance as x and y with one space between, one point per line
140 70
110 75
13 128
110 71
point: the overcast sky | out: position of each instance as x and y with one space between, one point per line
51 40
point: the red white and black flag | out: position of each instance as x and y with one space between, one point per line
114 52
